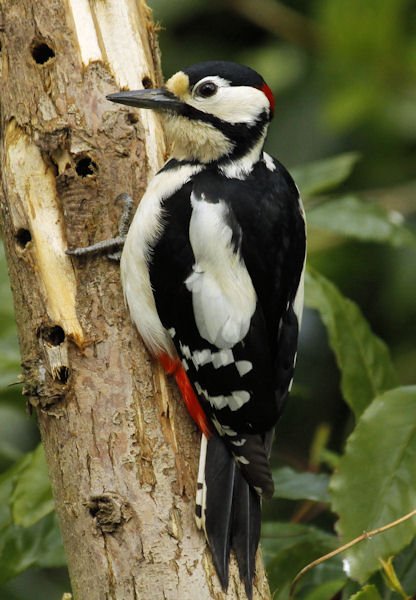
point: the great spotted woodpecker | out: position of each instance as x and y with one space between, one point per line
212 271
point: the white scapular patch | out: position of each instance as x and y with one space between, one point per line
269 162
172 332
243 367
185 364
233 401
146 227
223 295
201 492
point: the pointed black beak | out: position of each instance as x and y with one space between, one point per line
157 99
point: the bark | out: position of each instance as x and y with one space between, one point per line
121 450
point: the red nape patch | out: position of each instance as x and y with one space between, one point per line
174 367
269 95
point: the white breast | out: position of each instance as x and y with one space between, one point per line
144 231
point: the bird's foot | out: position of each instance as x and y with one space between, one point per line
113 246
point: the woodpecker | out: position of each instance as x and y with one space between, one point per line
212 272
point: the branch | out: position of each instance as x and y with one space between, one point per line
367 535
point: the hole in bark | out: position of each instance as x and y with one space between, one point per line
41 53
147 82
54 334
132 118
63 374
85 166
23 237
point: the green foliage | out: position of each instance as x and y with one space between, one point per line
353 89
366 221
363 359
374 483
29 534
287 547
292 485
369 592
321 176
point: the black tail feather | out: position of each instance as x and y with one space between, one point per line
245 530
220 470
232 514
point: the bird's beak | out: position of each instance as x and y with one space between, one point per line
156 99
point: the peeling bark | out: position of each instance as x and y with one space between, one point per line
121 450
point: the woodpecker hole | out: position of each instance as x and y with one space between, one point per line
85 167
23 237
63 374
147 82
53 334
42 53
132 118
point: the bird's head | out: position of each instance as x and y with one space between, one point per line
211 111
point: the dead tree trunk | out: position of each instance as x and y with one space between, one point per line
121 450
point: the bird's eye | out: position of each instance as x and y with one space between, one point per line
206 89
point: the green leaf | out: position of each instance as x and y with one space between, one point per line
374 484
25 547
369 592
32 495
325 591
362 357
25 492
324 175
292 485
350 216
288 547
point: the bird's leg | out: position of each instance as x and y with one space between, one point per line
112 247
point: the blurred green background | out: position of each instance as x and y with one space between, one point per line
344 77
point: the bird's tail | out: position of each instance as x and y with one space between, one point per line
228 509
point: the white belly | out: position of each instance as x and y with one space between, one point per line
145 230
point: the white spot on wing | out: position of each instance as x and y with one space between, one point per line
185 350
222 358
238 399
239 442
243 367
241 459
234 401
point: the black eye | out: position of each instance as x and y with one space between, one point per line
206 89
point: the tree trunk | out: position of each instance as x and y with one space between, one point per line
121 449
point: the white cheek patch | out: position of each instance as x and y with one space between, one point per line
234 104
223 296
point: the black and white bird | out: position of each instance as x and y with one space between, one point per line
212 271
